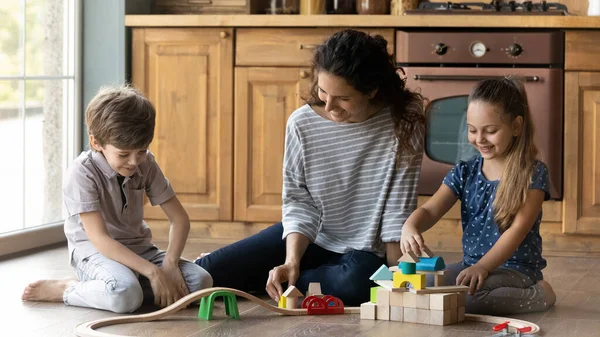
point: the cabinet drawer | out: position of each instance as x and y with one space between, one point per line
582 50
288 46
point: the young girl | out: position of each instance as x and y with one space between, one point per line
501 192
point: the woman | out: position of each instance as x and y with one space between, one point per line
351 166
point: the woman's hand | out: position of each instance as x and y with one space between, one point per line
411 240
286 272
472 277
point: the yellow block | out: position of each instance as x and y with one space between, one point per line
417 280
281 303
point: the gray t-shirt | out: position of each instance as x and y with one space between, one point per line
341 187
92 185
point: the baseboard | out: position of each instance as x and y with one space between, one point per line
31 238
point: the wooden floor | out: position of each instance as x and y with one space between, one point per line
577 313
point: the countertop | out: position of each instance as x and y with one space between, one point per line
447 21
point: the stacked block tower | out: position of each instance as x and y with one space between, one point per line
401 294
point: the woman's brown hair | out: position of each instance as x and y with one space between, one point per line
364 62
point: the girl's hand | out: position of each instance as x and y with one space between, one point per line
286 272
472 277
411 240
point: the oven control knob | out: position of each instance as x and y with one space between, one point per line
515 49
440 49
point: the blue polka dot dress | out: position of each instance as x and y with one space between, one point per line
480 231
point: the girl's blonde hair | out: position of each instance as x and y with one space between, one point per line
509 97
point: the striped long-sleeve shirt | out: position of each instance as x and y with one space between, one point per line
341 187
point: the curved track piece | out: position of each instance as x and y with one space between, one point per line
87 329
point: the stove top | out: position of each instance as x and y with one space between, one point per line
491 8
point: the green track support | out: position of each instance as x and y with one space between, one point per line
207 304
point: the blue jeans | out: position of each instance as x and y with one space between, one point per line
245 265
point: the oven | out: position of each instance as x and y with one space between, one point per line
445 66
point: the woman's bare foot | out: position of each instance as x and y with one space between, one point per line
46 290
202 255
550 295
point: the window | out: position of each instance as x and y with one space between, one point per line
39 109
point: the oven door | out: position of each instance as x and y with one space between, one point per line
447 90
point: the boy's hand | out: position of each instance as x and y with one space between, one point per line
474 276
411 240
174 273
165 291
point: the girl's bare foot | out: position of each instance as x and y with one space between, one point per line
202 255
550 295
46 290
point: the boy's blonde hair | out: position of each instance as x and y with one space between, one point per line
508 95
122 117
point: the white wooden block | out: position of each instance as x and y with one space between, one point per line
291 302
410 315
396 299
368 310
396 314
460 313
440 317
453 315
442 301
423 316
383 312
409 300
462 299
383 296
423 301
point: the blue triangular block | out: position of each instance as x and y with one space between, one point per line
382 274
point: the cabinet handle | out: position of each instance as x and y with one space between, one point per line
303 74
224 35
308 46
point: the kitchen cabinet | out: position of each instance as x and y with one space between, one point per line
188 75
581 214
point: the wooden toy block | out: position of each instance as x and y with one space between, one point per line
453 315
426 252
409 300
314 289
442 301
440 317
389 285
383 296
291 302
460 314
410 315
396 314
282 302
383 312
461 299
409 257
408 268
373 298
368 310
396 299
423 301
431 263
416 280
382 274
292 292
441 289
423 316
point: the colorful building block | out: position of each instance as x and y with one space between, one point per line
416 280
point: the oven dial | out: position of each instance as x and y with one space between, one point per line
478 49
440 49
515 49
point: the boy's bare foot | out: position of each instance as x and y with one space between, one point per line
46 290
550 295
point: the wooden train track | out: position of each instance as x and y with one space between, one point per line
87 329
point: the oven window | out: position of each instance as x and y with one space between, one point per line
447 131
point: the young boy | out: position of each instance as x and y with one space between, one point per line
109 243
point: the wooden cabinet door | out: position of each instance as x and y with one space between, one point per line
581 213
264 99
187 73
